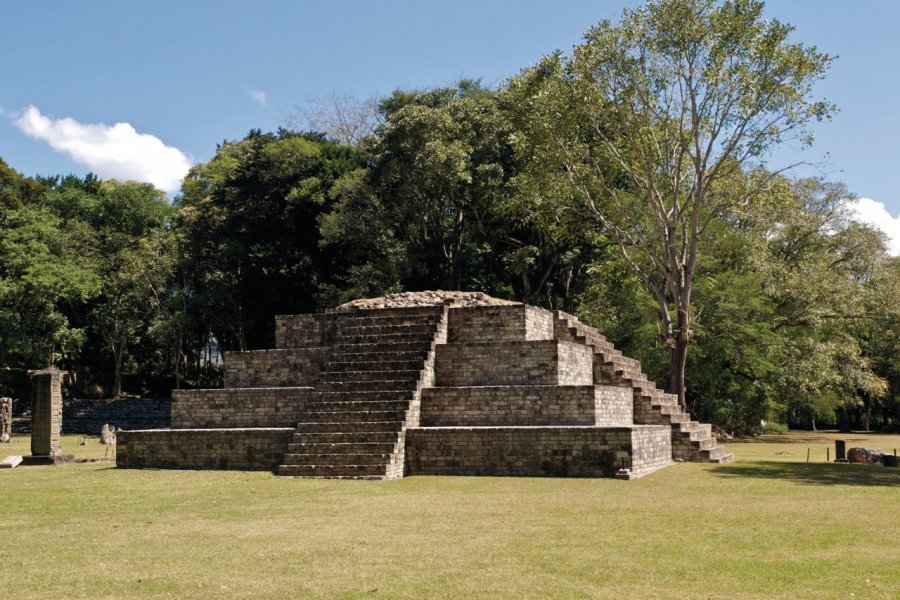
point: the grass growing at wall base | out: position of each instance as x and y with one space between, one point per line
769 525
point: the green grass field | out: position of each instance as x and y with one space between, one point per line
769 525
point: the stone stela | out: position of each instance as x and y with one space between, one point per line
46 419
462 385
5 420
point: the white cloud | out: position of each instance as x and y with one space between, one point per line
870 212
112 152
259 97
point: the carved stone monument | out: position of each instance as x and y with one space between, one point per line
46 418
5 419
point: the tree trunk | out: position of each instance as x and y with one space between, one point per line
678 362
119 353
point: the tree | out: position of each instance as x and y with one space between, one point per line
249 224
40 276
664 115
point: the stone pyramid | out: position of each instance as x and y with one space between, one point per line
438 383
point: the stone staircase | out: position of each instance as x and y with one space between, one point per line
691 440
368 394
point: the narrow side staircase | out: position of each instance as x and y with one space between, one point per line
367 395
691 440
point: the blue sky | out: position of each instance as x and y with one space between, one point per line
182 76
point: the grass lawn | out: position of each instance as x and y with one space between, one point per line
769 525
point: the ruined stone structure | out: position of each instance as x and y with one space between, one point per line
377 392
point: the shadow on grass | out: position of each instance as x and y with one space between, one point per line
814 473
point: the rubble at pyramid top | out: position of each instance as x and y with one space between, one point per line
431 298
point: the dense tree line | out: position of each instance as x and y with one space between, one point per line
557 188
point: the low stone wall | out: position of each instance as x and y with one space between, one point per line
525 405
536 451
88 416
234 449
273 368
500 323
536 362
252 407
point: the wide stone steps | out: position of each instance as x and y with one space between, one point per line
342 448
356 406
351 395
330 416
337 459
414 329
385 338
410 364
674 417
714 455
334 471
706 443
695 428
389 385
370 375
389 320
355 427
343 350
345 437
390 313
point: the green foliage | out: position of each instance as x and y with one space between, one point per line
248 221
40 275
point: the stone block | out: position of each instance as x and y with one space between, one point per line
536 362
499 323
10 462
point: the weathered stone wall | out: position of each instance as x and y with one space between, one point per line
303 331
535 451
508 405
238 449
273 368
613 405
499 323
252 407
88 416
576 364
536 362
651 448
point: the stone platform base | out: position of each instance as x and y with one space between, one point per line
625 452
250 449
58 459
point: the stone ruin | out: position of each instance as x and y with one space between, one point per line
432 383
5 420
108 435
